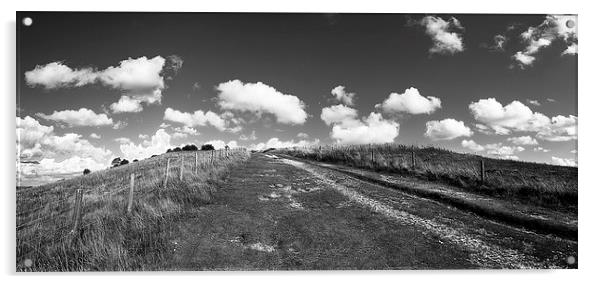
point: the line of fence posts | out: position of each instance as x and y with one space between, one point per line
77 206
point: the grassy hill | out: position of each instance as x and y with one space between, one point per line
532 183
108 237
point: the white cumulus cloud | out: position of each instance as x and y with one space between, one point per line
260 98
220 144
523 140
158 144
446 129
341 95
472 145
371 129
58 156
564 162
140 79
197 118
410 102
516 116
338 114
81 117
275 142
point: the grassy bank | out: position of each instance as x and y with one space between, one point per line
532 183
109 238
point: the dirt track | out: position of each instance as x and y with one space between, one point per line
284 214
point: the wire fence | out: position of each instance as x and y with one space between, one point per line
47 216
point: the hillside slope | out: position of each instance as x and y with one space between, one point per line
108 237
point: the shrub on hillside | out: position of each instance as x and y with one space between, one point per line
190 147
207 147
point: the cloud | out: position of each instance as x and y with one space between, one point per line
504 152
518 117
159 143
371 129
564 162
81 117
36 142
523 59
173 64
472 146
198 118
504 119
126 104
187 130
260 98
142 136
446 129
570 50
498 150
302 135
445 34
553 28
534 102
57 75
120 125
122 140
49 170
251 136
276 143
410 102
541 149
561 128
219 144
94 136
342 96
499 43
140 79
523 140
338 114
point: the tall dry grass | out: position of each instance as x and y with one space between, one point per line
109 238
533 183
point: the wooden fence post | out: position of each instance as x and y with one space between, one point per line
372 150
196 162
182 168
413 160
211 161
131 196
482 171
77 209
166 174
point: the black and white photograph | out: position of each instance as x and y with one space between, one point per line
278 141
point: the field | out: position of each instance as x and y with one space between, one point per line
108 237
545 185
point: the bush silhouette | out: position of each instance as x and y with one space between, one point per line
86 171
124 162
191 147
207 147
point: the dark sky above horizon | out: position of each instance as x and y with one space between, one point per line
305 56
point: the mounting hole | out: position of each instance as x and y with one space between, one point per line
28 262
570 24
27 21
570 260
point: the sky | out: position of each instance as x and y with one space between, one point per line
95 86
